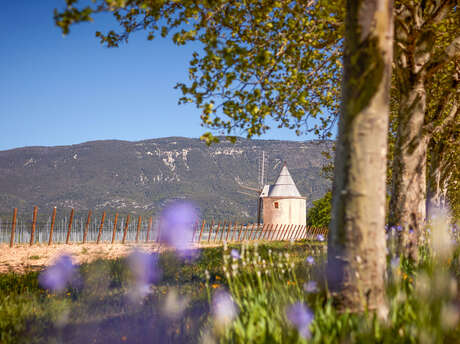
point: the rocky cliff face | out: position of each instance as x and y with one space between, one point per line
140 177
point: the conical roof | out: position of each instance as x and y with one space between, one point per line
284 185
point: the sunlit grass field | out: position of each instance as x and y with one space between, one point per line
267 293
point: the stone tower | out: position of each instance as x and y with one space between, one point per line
282 202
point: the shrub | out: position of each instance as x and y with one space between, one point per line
320 214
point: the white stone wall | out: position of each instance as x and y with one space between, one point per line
289 211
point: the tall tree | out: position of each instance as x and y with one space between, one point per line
262 60
356 246
426 42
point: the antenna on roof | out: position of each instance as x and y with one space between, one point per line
263 160
261 180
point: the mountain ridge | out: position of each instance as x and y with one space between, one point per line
142 176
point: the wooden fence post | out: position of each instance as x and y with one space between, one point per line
228 230
252 230
288 227
301 230
34 222
210 230
234 229
261 232
267 230
13 226
125 231
70 227
277 232
289 233
255 232
114 231
272 230
217 231
283 231
239 233
294 235
201 231
195 229
139 221
88 219
100 228
299 234
223 228
149 228
286 232
53 219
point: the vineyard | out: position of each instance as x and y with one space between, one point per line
111 229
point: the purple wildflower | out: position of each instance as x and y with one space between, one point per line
395 263
177 224
224 308
310 287
320 237
310 260
235 254
59 275
301 317
145 271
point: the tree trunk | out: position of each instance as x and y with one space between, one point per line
356 247
408 195
439 175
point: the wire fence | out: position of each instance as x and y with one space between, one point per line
115 228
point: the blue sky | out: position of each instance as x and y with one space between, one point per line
57 90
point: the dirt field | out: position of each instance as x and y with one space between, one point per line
22 258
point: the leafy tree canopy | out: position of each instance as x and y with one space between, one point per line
320 214
261 59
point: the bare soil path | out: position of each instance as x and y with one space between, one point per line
22 258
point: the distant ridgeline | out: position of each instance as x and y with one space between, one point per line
141 177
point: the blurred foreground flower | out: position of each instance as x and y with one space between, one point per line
58 276
320 237
174 305
177 224
310 260
224 309
441 241
235 254
310 287
145 271
301 317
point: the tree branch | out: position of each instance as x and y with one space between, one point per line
454 113
450 53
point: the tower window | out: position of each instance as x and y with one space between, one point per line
276 204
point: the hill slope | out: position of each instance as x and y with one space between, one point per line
140 177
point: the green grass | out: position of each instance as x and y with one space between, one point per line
30 314
423 300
